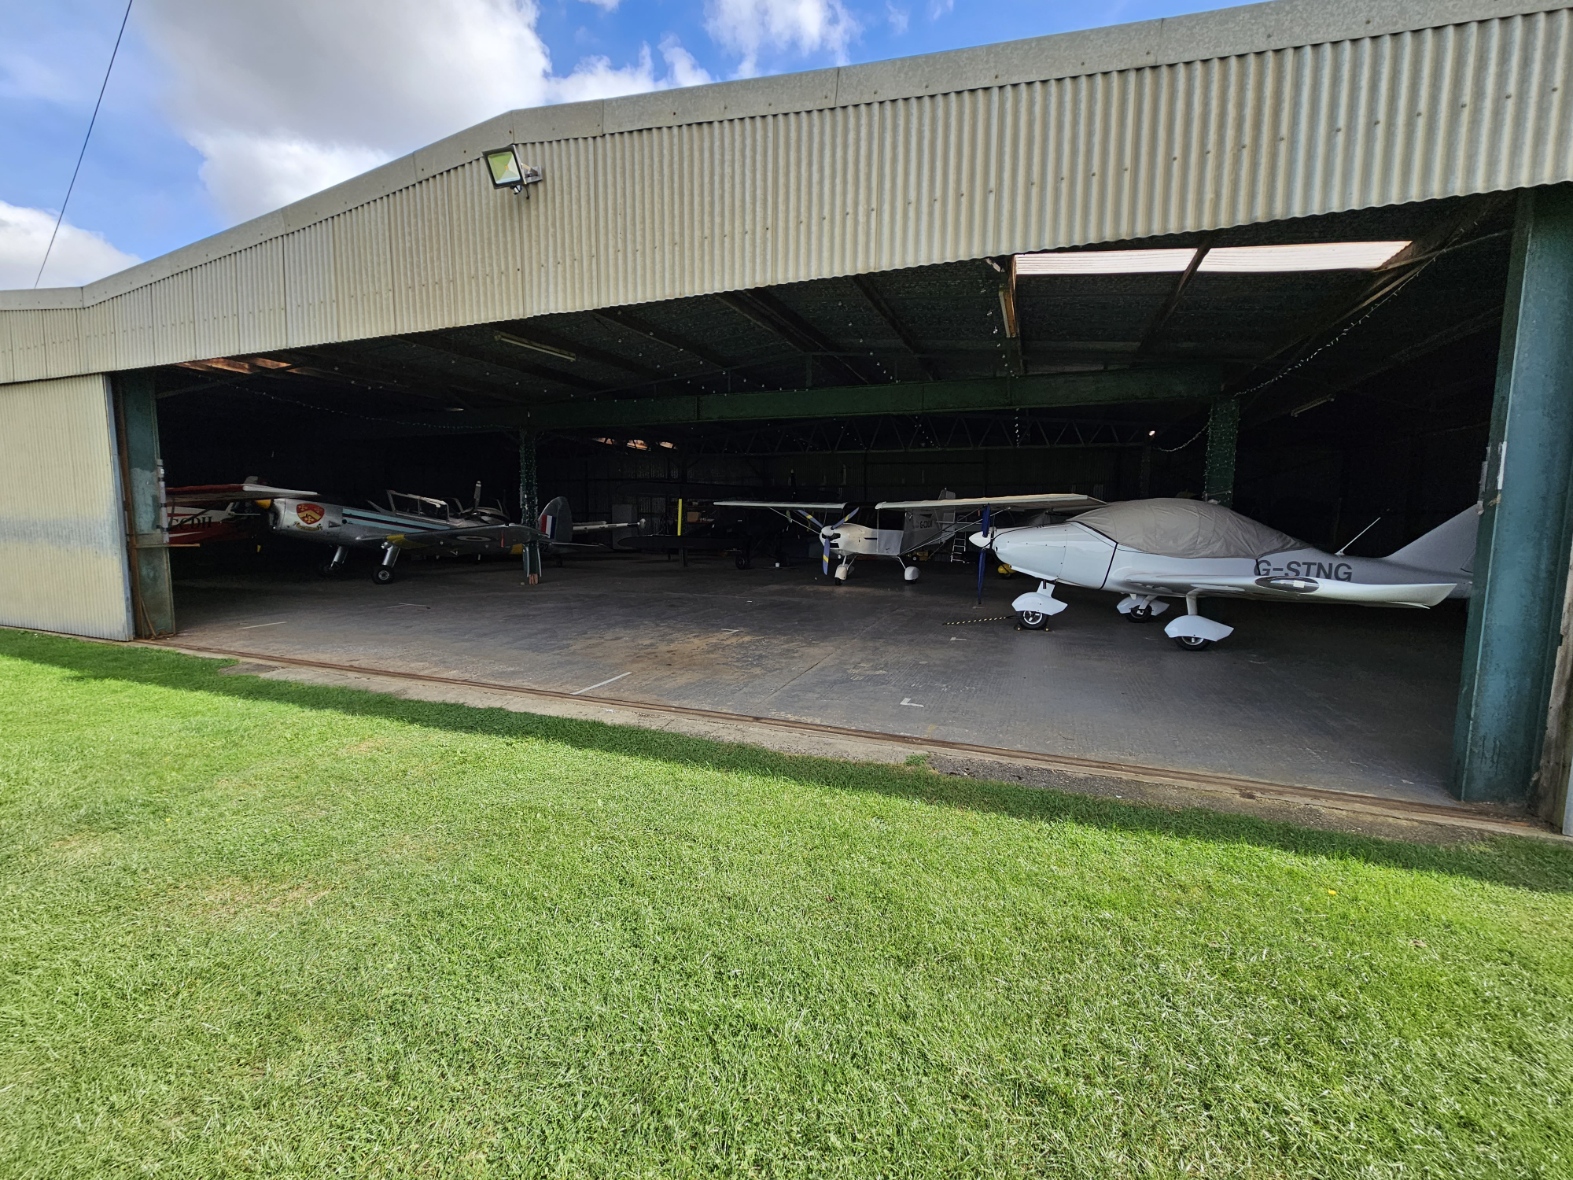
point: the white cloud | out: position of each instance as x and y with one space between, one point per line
249 174
898 18
681 67
750 27
288 97
604 5
79 255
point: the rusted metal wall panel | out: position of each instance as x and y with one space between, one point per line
62 526
675 208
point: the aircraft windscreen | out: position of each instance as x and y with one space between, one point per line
1186 528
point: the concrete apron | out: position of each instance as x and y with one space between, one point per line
1163 787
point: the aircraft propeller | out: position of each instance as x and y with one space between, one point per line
983 552
826 533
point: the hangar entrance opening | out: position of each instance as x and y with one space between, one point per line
1346 407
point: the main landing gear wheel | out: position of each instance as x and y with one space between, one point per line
1140 614
383 576
1033 620
743 561
1192 642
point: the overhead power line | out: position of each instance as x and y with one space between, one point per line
105 86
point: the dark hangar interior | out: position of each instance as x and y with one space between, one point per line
1361 395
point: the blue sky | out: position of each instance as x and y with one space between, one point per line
219 110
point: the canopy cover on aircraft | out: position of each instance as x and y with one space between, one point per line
1186 528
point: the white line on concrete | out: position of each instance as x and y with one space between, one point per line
600 684
910 703
276 623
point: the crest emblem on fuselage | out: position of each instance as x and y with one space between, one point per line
309 514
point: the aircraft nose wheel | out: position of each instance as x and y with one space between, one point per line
1141 614
383 576
1192 642
1033 620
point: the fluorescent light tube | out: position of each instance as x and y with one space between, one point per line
1104 262
1308 256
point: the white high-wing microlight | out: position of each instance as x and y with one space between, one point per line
1151 550
925 524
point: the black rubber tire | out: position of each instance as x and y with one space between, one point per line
1033 620
327 570
743 561
1140 614
1191 642
383 576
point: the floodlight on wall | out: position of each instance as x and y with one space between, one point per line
507 171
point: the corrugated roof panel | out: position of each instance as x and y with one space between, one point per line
28 355
259 282
216 308
363 272
134 315
174 317
309 307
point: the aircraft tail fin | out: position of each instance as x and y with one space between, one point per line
556 520
1450 546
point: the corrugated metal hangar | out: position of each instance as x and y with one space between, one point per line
873 282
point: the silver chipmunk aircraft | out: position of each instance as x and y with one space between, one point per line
411 522
1150 550
925 524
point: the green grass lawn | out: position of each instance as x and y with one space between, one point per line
257 928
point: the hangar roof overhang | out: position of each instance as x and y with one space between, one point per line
838 362
1177 127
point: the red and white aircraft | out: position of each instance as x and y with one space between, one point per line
204 514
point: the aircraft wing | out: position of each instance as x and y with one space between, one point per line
1055 501
778 505
1417 594
504 534
229 493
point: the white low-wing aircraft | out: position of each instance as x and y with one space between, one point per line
1151 550
925 524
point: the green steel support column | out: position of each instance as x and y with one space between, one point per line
529 502
1522 552
1223 433
142 471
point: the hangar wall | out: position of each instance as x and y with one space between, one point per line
62 521
1273 111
